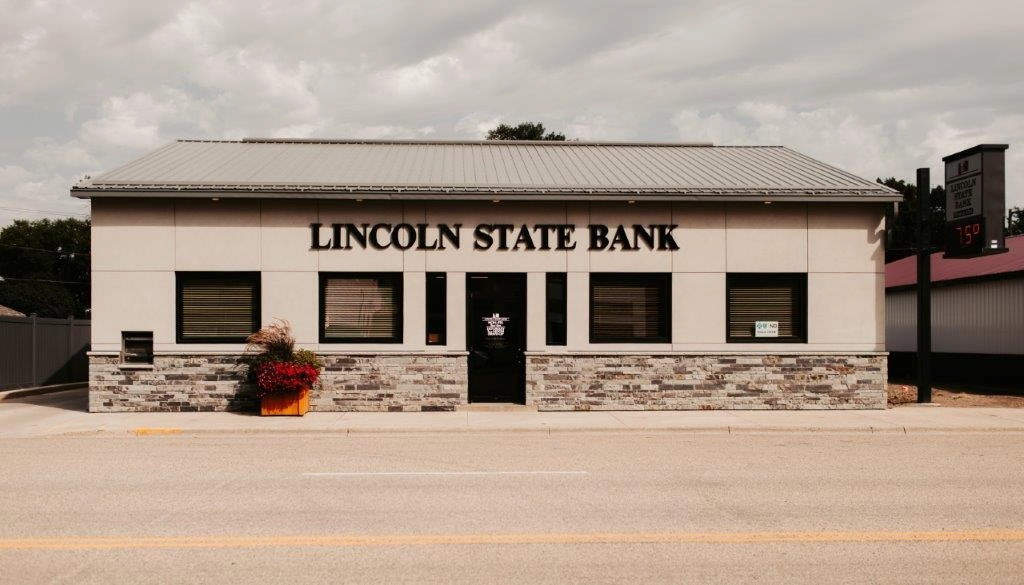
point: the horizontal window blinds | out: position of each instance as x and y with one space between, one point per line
218 308
362 308
629 308
780 300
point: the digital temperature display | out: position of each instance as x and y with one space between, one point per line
965 238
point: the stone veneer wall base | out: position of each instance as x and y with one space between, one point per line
418 382
191 383
702 382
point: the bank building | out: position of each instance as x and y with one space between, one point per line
434 274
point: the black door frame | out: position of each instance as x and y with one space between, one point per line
520 278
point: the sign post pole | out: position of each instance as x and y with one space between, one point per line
924 289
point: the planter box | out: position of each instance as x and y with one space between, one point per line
285 404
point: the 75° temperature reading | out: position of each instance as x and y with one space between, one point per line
968 233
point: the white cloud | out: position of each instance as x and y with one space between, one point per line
381 132
12 175
28 195
46 153
294 131
134 121
194 30
476 124
19 58
423 77
693 126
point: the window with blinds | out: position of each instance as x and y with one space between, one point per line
361 308
217 307
630 308
766 308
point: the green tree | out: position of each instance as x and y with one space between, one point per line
1015 221
524 131
44 265
901 225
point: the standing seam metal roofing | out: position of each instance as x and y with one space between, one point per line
514 167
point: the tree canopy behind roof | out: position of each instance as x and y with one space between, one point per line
524 131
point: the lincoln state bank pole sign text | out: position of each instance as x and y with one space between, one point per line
488 236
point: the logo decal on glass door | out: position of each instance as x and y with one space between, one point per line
495 325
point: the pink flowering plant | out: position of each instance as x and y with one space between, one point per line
273 364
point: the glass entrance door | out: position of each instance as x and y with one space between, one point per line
496 337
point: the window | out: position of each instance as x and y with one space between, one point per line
766 308
136 347
630 308
437 308
556 308
217 307
361 307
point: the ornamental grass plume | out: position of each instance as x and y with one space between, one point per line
275 340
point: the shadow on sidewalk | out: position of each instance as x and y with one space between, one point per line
74 399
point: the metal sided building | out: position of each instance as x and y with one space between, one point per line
977 317
432 274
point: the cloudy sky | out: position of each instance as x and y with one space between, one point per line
878 88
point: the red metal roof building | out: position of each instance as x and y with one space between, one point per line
977 317
903 272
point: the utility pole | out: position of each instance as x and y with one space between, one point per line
924 289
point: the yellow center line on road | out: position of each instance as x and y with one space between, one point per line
147 431
343 541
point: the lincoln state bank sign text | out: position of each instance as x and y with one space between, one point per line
489 236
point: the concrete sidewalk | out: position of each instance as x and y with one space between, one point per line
63 413
37 390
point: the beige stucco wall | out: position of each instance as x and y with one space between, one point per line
139 244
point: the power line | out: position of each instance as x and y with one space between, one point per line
44 250
43 211
6 278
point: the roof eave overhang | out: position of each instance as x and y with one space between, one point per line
419 194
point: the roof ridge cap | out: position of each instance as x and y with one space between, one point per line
441 142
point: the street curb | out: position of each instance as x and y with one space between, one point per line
335 432
37 390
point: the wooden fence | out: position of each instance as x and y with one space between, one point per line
36 352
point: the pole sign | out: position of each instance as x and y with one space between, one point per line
975 201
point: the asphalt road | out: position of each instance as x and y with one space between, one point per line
608 507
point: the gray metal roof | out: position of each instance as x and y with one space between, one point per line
405 169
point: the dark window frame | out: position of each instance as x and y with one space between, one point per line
765 279
664 282
556 334
436 308
397 277
183 277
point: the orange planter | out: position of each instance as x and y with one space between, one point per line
285 404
